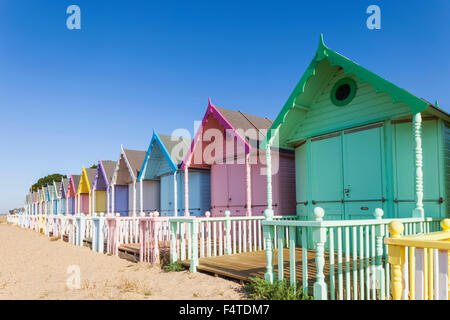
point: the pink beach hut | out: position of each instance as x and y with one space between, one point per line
227 144
72 187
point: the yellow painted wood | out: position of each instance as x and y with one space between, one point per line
396 257
100 201
412 273
430 274
425 273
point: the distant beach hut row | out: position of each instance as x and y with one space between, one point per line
166 178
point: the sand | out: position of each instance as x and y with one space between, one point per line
34 267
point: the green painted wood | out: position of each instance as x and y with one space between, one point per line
292 260
305 260
361 262
355 263
362 153
280 240
332 264
339 256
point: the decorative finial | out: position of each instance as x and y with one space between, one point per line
396 229
318 213
378 213
436 103
227 213
445 224
207 214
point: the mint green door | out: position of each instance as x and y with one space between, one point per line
326 175
363 171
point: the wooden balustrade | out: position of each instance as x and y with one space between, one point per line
420 263
350 258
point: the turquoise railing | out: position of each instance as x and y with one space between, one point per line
352 250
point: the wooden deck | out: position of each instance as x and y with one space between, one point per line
253 264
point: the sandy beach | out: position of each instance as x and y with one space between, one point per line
34 267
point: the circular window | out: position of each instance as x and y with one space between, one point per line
343 92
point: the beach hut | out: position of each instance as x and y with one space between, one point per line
102 179
362 143
85 190
72 198
53 190
62 193
161 179
45 200
124 196
227 144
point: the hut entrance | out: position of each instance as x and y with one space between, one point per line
346 171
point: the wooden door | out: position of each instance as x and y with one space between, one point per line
219 189
363 171
236 189
326 175
167 199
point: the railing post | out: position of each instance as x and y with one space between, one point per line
319 238
396 257
95 227
379 270
173 241
156 225
268 238
101 233
227 232
81 230
194 241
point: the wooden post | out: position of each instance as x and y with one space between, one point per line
319 238
112 198
379 270
175 194
417 130
269 178
156 225
173 241
445 225
186 191
134 201
227 232
141 192
194 241
396 257
269 238
248 182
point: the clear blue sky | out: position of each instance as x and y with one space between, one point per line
68 98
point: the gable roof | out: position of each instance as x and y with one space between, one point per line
135 159
396 93
232 120
106 169
167 145
87 180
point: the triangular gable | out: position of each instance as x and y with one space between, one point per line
212 110
62 189
156 140
131 166
397 94
87 180
73 186
103 174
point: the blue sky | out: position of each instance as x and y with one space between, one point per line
71 97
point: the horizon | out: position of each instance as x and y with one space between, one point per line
72 97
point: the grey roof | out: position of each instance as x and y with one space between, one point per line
76 180
109 166
245 121
135 158
170 142
65 183
91 175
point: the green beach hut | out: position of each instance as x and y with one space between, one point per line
362 143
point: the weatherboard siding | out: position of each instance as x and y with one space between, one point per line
367 106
